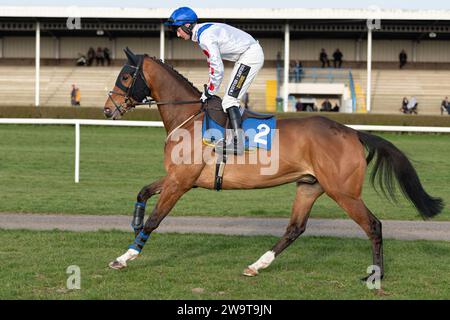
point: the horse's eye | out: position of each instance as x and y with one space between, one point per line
125 78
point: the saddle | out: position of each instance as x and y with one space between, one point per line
215 111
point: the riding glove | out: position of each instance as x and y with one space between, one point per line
205 95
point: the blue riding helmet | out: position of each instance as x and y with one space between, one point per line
181 16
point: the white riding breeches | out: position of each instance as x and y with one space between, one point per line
244 71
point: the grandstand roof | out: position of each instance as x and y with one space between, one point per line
226 13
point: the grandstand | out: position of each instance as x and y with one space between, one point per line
94 84
424 35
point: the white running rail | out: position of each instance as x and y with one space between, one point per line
122 123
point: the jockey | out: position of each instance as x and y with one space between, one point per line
221 41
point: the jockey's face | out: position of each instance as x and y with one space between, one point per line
182 34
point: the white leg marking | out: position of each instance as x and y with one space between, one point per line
131 254
263 262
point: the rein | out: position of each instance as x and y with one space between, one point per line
154 102
128 95
185 121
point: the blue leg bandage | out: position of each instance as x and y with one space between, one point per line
139 241
138 217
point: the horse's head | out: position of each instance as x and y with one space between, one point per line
130 88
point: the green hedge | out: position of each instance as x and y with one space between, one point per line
376 119
74 113
153 115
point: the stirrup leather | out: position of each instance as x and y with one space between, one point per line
236 145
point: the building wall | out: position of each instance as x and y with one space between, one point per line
71 47
305 49
271 47
24 47
149 46
387 50
433 51
309 49
182 49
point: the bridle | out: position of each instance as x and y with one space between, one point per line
128 95
129 101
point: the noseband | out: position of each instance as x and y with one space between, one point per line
130 100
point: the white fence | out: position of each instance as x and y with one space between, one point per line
78 122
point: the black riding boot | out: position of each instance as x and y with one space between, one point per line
236 146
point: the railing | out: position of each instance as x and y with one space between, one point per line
298 74
78 122
327 75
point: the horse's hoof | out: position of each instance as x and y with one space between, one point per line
381 293
250 272
117 265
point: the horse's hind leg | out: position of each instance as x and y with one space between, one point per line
304 200
358 211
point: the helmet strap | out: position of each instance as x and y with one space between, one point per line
189 29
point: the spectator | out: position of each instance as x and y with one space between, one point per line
75 96
295 71
404 107
335 108
100 56
298 70
90 56
299 106
403 57
445 106
246 100
279 66
292 71
337 56
324 58
412 106
326 106
279 61
107 56
81 61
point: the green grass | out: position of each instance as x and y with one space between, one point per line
37 164
33 266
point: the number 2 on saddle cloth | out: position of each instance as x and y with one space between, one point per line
258 131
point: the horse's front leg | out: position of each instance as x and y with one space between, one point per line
139 208
170 194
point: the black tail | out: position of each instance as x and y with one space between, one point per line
391 161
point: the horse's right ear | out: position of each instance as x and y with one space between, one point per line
131 56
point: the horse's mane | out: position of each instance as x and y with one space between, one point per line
178 75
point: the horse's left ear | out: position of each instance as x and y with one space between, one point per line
131 56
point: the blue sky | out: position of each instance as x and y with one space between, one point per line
384 4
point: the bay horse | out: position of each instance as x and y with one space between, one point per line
317 154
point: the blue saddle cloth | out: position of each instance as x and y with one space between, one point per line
258 132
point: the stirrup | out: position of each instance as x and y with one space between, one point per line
233 147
